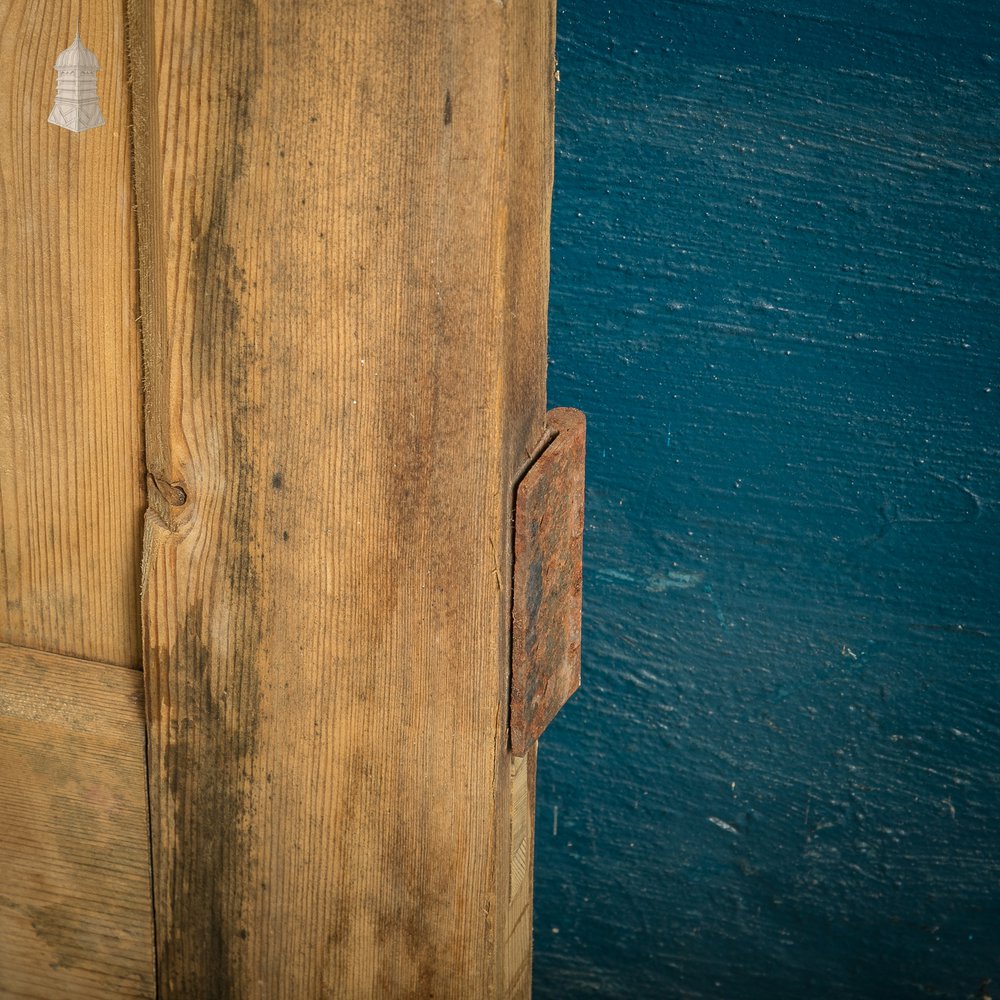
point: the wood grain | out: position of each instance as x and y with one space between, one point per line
71 490
344 246
522 856
75 906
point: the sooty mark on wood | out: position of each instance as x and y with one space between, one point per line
64 931
210 748
277 481
208 751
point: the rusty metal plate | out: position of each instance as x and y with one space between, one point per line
548 581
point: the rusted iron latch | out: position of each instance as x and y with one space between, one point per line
548 581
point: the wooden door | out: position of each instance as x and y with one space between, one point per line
273 345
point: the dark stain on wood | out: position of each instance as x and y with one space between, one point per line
208 759
210 751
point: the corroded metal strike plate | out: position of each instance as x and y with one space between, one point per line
548 581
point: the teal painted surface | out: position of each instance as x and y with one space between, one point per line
775 288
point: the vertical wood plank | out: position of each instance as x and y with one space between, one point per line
529 124
516 980
343 234
71 484
75 907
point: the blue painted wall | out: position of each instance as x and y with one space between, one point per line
775 288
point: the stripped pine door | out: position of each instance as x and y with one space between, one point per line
289 301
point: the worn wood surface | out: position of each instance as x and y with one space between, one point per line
344 240
71 490
75 906
776 287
